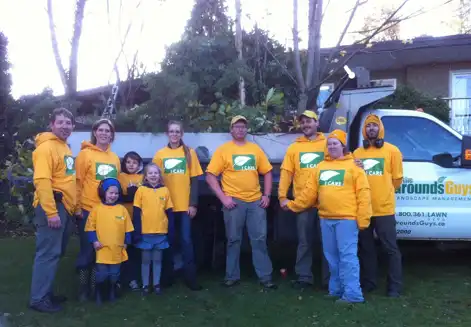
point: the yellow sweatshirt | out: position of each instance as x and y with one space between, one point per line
54 170
124 180
342 190
300 160
93 165
383 167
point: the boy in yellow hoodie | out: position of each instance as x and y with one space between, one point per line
301 158
343 193
383 165
54 203
109 229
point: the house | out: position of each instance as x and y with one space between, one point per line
437 66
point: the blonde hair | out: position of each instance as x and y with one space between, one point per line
186 149
146 171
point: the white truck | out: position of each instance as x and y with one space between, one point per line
433 203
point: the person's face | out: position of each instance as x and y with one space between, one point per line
132 165
103 134
112 194
308 126
335 148
62 127
372 130
153 176
174 133
239 130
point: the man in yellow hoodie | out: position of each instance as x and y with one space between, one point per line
54 203
300 160
382 162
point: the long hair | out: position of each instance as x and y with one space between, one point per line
146 171
95 128
186 149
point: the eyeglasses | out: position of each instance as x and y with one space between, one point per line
239 126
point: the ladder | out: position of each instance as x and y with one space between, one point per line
110 109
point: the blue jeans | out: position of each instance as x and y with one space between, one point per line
189 266
105 271
86 256
50 247
340 243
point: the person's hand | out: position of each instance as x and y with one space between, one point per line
125 246
265 201
359 163
131 184
228 202
54 222
284 204
192 211
97 245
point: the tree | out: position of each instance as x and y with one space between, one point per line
5 80
392 30
238 43
309 81
461 21
68 76
208 18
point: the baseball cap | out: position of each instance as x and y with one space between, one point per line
309 114
238 118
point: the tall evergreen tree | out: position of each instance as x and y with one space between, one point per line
5 96
208 18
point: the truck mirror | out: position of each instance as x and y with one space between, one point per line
444 160
466 151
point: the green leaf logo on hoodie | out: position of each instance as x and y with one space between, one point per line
331 177
374 166
175 165
104 170
69 165
244 162
310 159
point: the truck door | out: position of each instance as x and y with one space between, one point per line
433 202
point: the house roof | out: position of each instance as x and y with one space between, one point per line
399 54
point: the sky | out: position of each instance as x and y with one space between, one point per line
155 25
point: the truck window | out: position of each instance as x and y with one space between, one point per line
419 139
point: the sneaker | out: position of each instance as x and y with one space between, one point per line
134 286
145 290
300 285
230 283
269 285
46 306
157 290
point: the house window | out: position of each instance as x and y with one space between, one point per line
384 82
460 102
324 92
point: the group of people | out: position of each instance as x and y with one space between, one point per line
127 214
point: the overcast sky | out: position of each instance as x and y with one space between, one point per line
25 24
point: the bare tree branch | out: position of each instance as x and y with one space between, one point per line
297 56
73 60
55 46
311 48
238 44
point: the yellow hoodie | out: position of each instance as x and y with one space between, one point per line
301 158
383 167
342 190
93 165
54 170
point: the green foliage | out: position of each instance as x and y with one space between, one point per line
17 175
407 97
208 18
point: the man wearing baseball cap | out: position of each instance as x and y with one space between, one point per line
240 162
301 158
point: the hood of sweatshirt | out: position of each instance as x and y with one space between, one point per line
45 137
373 119
88 145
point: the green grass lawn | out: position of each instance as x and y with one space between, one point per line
437 293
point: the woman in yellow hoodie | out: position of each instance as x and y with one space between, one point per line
341 189
95 162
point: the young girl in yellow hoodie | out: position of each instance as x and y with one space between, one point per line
109 230
151 213
94 163
341 189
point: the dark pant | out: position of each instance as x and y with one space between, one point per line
50 246
184 232
385 227
132 267
105 271
86 256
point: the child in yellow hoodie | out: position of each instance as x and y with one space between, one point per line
130 179
151 213
342 191
109 229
